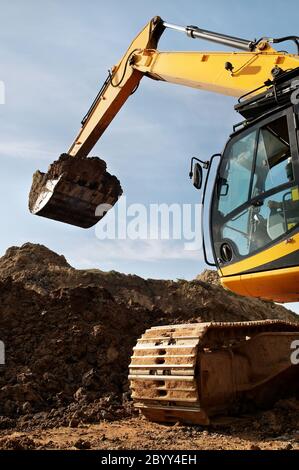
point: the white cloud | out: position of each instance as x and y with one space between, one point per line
97 252
26 150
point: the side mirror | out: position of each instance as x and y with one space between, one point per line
196 171
196 175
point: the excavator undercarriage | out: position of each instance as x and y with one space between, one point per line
192 372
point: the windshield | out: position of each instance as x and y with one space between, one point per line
253 165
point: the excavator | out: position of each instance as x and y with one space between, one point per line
193 372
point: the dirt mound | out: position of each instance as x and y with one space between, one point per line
211 277
202 299
69 334
30 257
64 351
35 266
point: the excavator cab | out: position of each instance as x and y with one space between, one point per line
254 213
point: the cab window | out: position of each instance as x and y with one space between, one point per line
273 164
234 181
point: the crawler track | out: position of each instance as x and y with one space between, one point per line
191 372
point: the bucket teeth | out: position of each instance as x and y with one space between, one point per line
77 191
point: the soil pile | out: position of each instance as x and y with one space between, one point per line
211 277
64 351
69 334
203 299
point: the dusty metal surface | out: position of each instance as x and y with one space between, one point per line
191 372
72 191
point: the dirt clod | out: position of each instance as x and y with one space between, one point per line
82 444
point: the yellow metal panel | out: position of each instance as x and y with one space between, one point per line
295 193
274 252
206 70
279 285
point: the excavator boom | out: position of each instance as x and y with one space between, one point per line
203 70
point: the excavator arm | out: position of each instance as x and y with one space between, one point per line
73 189
119 85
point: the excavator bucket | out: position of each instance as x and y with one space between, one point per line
77 191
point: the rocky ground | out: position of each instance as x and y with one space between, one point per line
270 430
69 335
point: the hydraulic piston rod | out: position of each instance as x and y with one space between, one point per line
198 33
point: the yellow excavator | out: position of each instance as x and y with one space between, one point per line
192 372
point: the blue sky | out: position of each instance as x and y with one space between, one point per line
54 57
